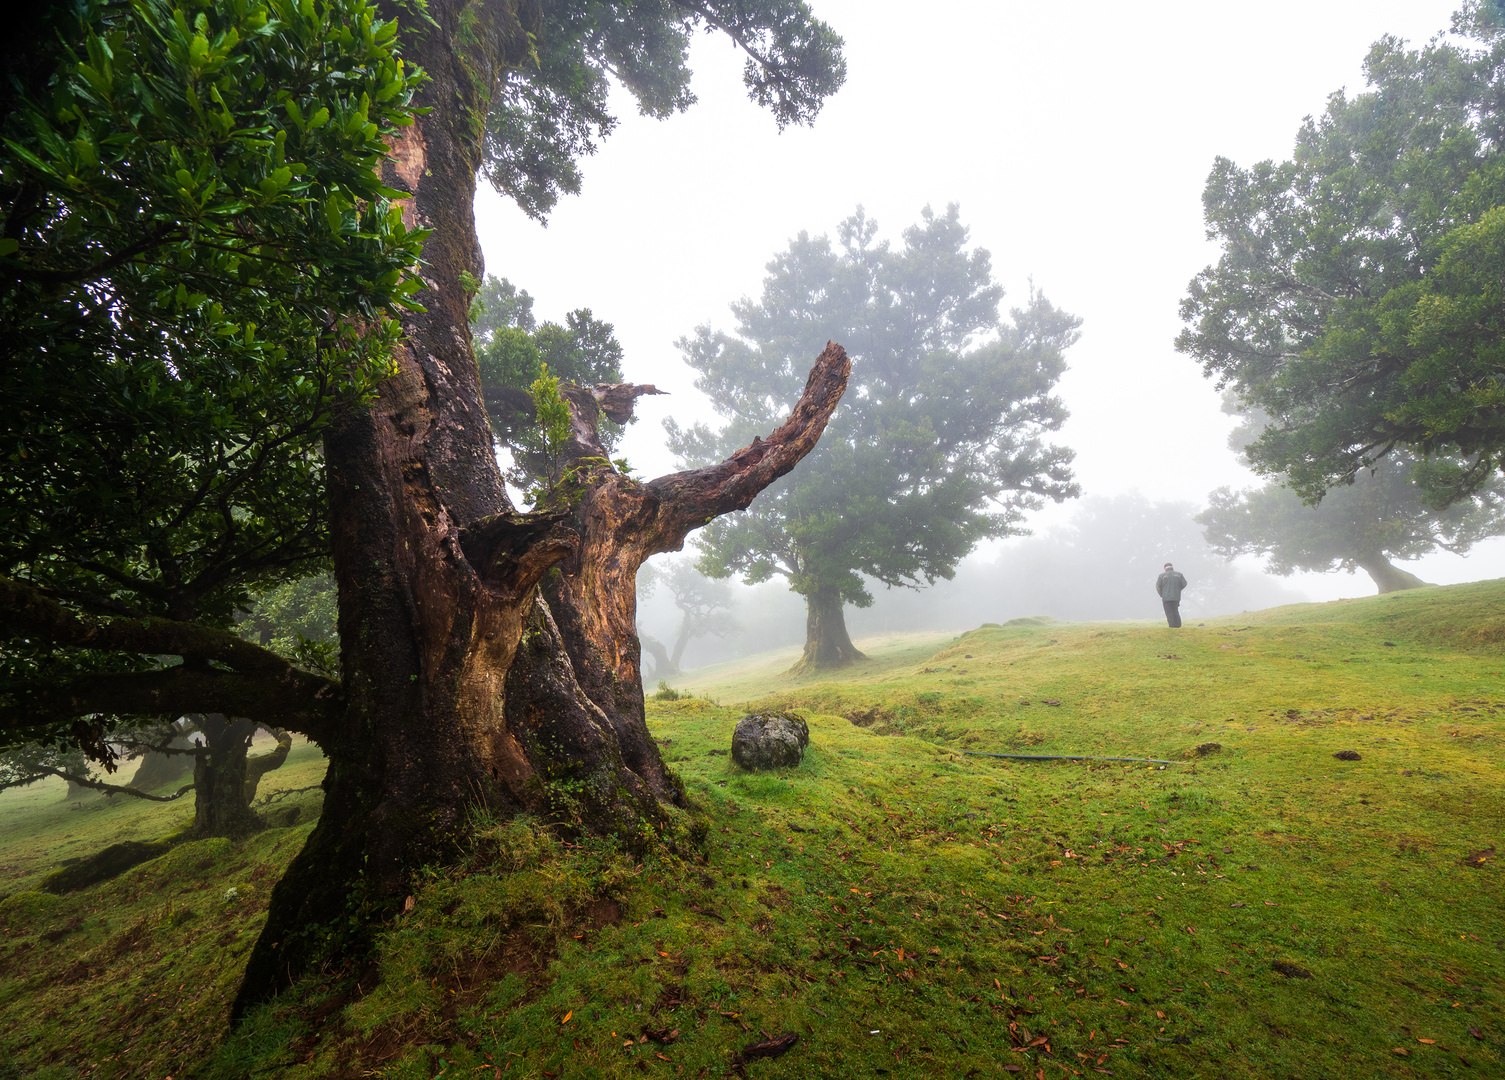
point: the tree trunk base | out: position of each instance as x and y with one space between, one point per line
1388 577
828 647
806 665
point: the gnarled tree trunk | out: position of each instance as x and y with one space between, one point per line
663 667
466 683
1388 577
225 776
827 644
159 768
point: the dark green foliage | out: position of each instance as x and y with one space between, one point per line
297 619
1384 514
938 441
202 266
555 111
514 351
1359 296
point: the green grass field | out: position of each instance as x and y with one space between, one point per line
1259 909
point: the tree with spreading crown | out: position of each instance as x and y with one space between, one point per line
226 366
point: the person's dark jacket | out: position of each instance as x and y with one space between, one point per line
1169 586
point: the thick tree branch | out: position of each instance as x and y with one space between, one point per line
309 704
588 404
118 789
513 551
692 498
26 612
257 767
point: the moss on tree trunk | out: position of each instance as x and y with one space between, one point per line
466 683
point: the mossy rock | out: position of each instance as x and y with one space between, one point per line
771 740
25 909
109 863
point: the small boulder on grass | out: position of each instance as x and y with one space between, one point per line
770 740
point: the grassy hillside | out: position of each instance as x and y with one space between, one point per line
1259 909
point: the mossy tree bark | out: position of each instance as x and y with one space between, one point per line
465 683
827 644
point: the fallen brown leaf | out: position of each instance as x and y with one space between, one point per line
771 1048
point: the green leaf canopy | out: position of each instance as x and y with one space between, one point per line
1360 296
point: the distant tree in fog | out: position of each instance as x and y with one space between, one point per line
1381 516
704 606
1384 514
1102 564
937 444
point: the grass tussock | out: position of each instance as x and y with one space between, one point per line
1260 909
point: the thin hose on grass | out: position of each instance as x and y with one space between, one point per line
1070 757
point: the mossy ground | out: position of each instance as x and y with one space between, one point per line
907 910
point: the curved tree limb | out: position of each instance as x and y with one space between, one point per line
118 789
309 704
259 766
25 611
692 498
620 522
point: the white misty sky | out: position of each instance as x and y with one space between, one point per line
1076 139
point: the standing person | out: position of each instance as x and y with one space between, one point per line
1169 585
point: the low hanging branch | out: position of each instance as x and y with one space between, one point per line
80 780
260 684
26 611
